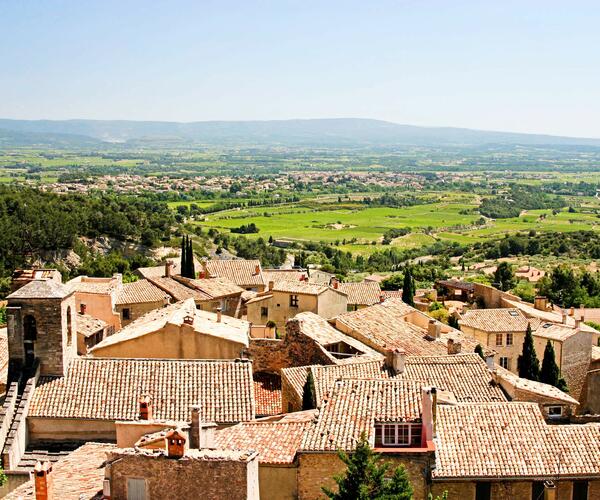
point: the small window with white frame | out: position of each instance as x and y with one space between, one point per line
554 411
401 434
505 362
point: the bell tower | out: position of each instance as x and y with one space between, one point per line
41 326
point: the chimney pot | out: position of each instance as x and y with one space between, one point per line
454 347
145 404
572 311
398 360
43 481
257 269
82 308
218 314
175 442
168 268
271 285
336 283
381 298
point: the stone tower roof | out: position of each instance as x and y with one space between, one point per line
41 289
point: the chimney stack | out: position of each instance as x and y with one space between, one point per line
549 490
398 360
454 347
43 481
335 283
218 314
434 329
202 434
168 268
429 410
205 273
175 442
381 298
256 270
189 319
541 303
564 317
572 311
145 404
195 427
577 323
271 285
489 361
82 308
582 311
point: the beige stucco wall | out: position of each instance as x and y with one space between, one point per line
173 342
512 352
99 306
129 432
277 482
65 429
332 303
137 310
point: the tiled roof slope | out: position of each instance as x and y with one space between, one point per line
366 293
495 440
300 287
177 290
216 287
553 331
78 476
498 320
464 375
276 442
139 292
276 275
295 377
354 406
239 271
88 325
41 289
267 393
109 389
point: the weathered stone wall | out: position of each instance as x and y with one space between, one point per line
576 357
137 310
278 482
185 477
317 470
591 401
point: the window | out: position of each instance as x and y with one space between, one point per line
264 311
555 411
483 491
537 490
69 326
293 301
401 434
136 489
498 339
580 490
509 339
126 314
505 363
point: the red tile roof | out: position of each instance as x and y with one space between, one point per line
366 293
267 392
139 292
239 271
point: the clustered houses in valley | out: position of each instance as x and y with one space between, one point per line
113 390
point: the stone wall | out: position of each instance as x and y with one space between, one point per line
278 482
592 395
576 357
317 470
185 477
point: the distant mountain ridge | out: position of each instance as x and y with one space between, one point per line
310 132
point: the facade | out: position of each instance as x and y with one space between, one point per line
285 299
90 331
178 331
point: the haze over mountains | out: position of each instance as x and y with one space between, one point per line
314 132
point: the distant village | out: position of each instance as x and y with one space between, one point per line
245 382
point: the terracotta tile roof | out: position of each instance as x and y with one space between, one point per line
88 325
159 271
392 294
383 326
276 275
299 287
205 322
317 328
78 476
140 292
296 378
216 287
109 389
85 284
354 406
177 290
204 454
377 278
464 375
238 271
512 440
459 285
366 293
497 320
538 389
267 393
553 331
275 442
41 289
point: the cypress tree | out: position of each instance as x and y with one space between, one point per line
408 288
190 261
308 395
528 363
479 350
550 373
183 255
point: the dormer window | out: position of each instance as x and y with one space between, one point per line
399 434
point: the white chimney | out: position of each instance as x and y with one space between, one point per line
489 361
398 360
564 317
428 410
218 314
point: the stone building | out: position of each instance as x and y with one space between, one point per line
138 298
178 331
285 299
90 331
246 274
360 295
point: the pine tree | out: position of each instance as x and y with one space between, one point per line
190 261
479 350
528 363
408 288
453 322
550 373
308 395
364 478
183 255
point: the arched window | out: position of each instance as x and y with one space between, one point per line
69 327
29 328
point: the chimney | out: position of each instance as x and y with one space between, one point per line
188 319
175 442
43 481
549 490
428 411
271 285
564 317
582 312
489 361
381 298
398 360
572 311
540 303
256 270
82 308
577 323
205 273
218 314
335 283
195 427
454 347
434 329
168 268
145 407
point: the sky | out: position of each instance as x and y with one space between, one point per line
523 66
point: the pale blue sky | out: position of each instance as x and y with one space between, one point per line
527 66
